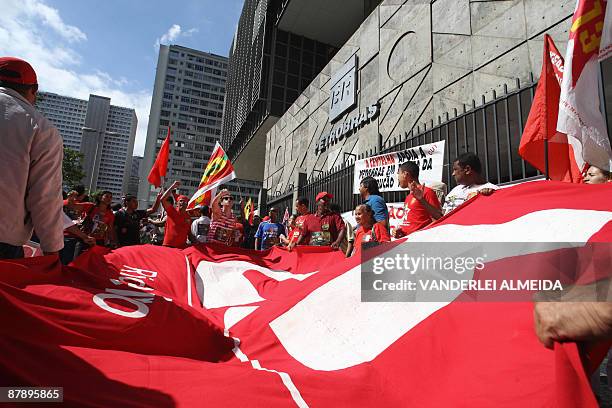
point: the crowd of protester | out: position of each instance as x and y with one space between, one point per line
30 163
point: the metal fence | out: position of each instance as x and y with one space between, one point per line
492 131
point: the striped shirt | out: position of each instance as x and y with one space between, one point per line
222 229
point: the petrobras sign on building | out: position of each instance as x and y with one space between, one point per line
344 130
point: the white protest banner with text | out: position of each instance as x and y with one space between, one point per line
384 168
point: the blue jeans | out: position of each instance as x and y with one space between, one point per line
68 253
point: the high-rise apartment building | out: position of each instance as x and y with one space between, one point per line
67 114
188 97
102 132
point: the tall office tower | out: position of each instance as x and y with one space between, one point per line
188 97
102 132
66 113
134 176
280 46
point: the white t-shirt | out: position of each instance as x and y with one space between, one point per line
461 194
200 228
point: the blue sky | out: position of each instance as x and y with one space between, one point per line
109 47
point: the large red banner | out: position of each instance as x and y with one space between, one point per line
151 326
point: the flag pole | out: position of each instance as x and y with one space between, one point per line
546 158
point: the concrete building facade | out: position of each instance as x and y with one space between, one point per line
102 132
414 62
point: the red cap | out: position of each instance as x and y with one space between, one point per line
182 197
17 71
324 195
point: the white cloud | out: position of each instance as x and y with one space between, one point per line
173 34
58 65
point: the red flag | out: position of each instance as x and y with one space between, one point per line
298 330
541 124
218 170
160 167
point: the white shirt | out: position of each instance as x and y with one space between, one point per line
461 194
31 156
200 228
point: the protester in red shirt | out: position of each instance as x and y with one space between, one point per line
323 228
421 205
178 222
99 220
239 235
301 207
371 231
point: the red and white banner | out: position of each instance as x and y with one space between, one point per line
580 117
154 326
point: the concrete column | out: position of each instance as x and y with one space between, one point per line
262 201
300 181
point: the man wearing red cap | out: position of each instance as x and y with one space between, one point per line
323 228
30 164
178 222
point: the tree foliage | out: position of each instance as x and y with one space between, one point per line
72 168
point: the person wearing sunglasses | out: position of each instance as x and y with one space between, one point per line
223 222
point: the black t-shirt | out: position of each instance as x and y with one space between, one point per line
128 226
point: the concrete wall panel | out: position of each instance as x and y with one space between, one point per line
419 60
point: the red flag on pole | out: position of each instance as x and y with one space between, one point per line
541 127
160 167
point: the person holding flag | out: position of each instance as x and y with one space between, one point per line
178 222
